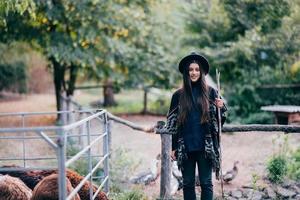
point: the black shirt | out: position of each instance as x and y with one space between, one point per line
192 130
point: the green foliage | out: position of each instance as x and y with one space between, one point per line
134 194
18 6
14 67
295 71
265 14
277 168
122 165
284 162
104 39
259 118
252 43
160 106
13 77
277 165
126 107
130 101
118 40
254 179
81 165
294 166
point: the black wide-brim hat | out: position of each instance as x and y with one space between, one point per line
191 58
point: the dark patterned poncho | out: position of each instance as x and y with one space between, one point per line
212 138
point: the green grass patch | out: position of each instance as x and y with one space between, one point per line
134 194
126 106
128 101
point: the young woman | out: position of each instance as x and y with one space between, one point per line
197 127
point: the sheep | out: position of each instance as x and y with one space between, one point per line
30 178
12 188
47 189
75 179
33 177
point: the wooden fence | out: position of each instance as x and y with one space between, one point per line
166 143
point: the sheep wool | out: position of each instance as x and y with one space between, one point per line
33 177
47 189
12 188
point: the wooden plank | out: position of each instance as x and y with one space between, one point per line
282 108
280 86
262 127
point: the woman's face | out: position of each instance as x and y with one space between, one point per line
194 72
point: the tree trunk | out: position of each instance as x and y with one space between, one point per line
145 109
108 93
72 81
58 78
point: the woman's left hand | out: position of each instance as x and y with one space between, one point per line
219 103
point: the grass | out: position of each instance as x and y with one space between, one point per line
129 101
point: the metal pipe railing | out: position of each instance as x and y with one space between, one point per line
10 114
106 151
78 155
58 142
44 158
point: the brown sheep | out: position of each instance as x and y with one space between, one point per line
75 179
47 189
33 177
30 178
12 188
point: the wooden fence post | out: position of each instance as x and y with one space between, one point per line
145 100
165 181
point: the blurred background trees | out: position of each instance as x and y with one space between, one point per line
254 44
137 44
110 41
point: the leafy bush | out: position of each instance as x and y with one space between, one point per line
294 166
81 165
13 77
259 118
160 106
277 168
122 166
14 66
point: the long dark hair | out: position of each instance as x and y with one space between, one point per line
186 101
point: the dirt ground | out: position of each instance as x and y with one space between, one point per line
251 149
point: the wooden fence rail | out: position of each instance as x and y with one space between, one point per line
166 148
262 127
166 141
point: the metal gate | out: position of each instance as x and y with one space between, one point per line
84 141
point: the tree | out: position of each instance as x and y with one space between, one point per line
14 64
106 40
252 43
16 6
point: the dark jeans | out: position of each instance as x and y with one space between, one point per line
205 174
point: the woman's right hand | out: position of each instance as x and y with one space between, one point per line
173 157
